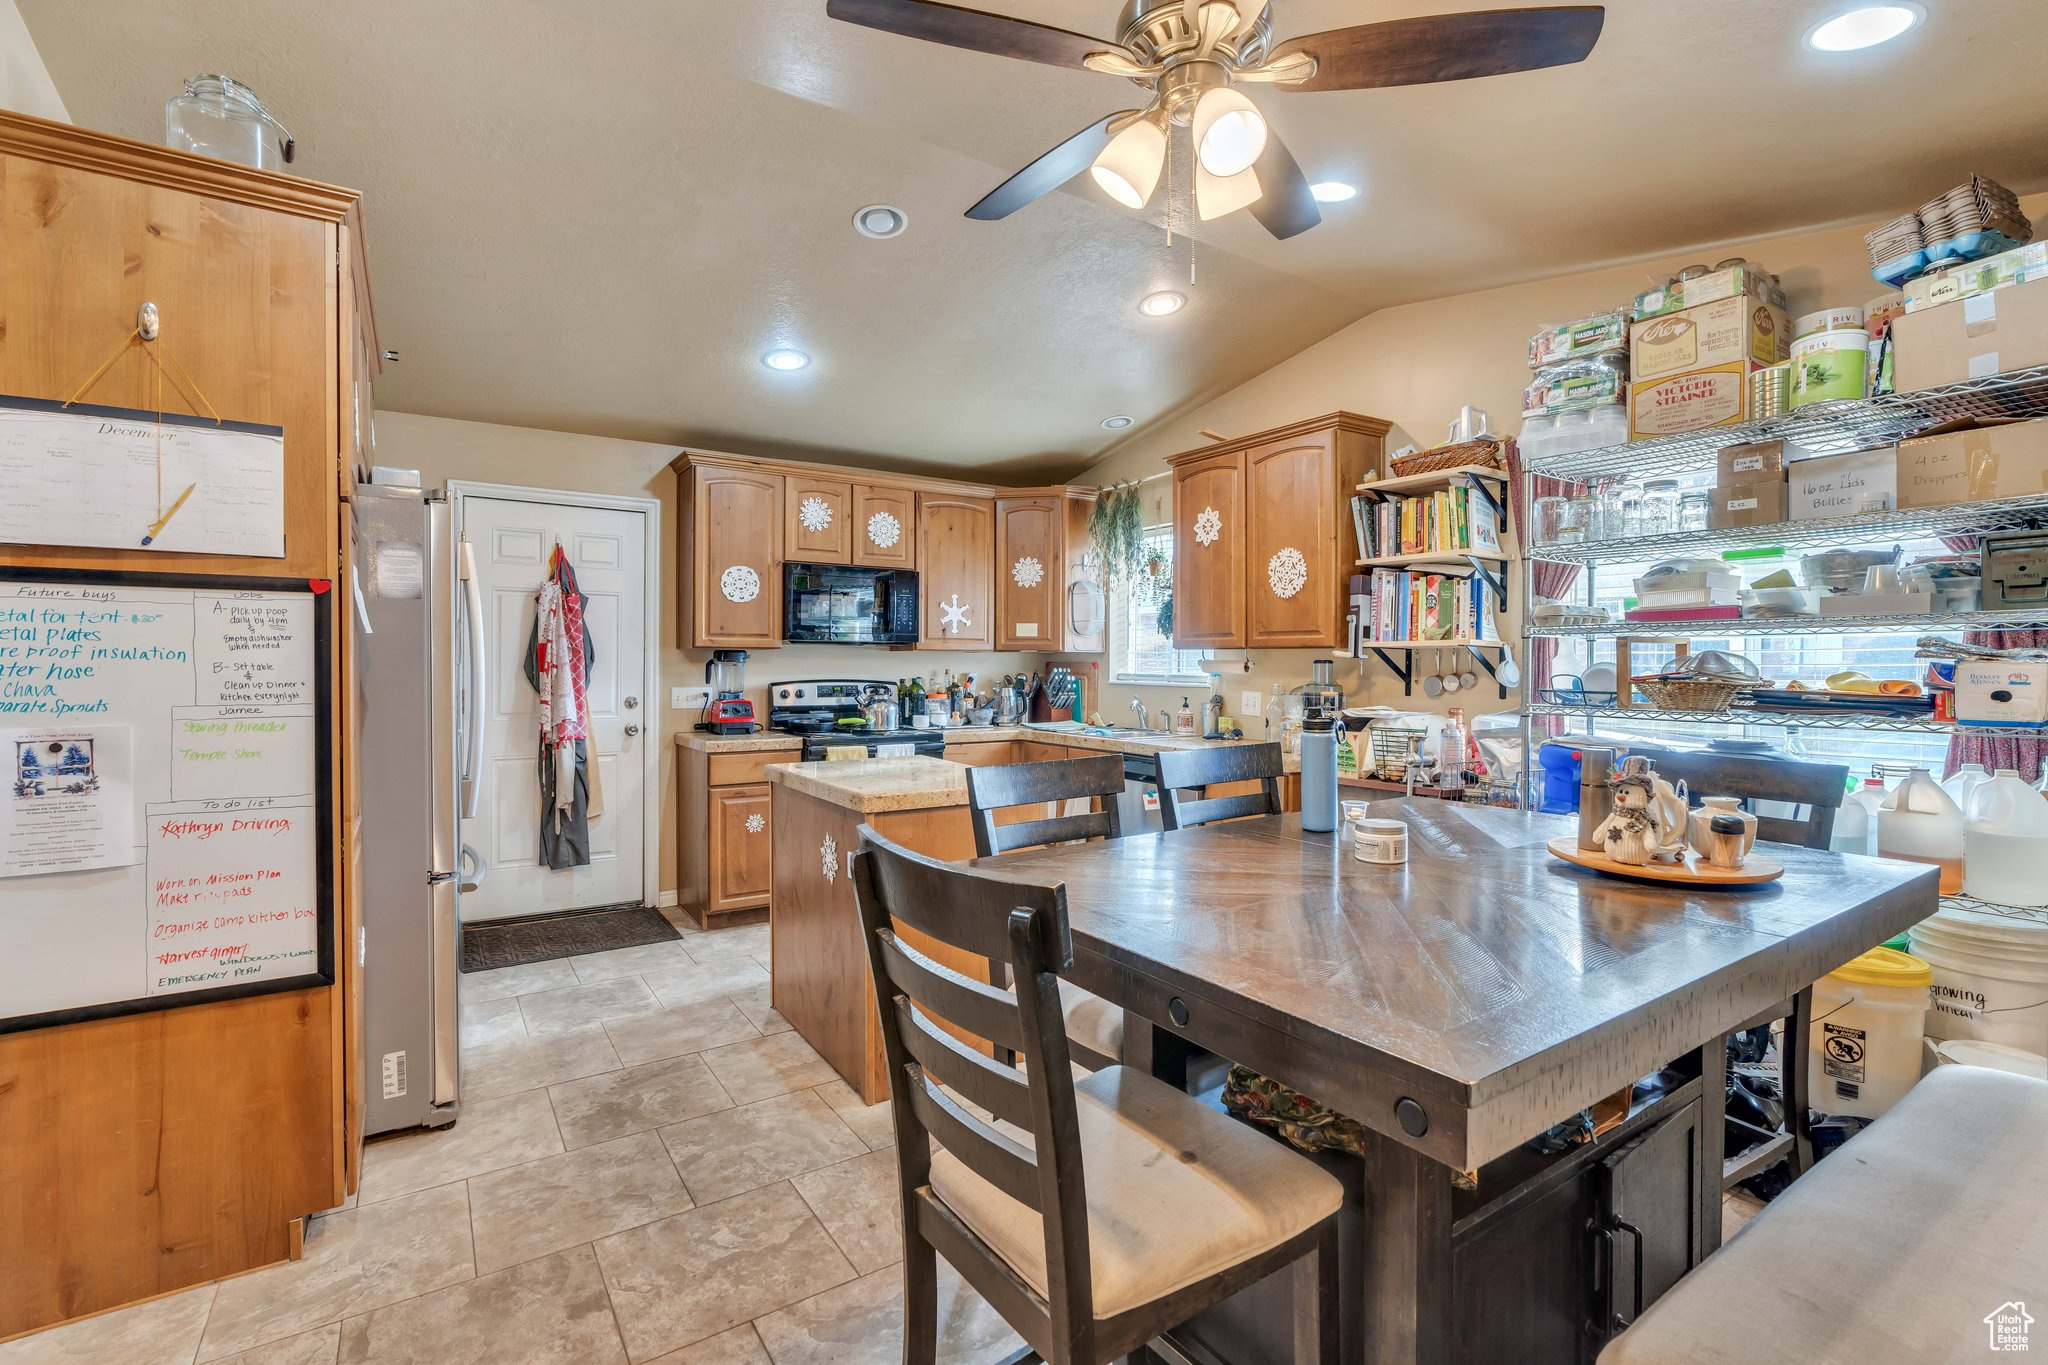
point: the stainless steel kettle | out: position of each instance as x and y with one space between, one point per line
878 704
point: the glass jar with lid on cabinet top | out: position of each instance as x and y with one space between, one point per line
219 116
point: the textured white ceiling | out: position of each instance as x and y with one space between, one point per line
595 216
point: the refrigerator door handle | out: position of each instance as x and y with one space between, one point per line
474 868
475 685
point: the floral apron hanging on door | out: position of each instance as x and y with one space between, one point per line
559 654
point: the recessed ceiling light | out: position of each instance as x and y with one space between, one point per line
1864 26
1333 191
1116 423
1159 305
880 221
784 358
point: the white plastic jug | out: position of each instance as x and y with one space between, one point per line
1963 781
2005 842
1919 823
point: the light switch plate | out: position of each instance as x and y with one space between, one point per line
685 698
1248 703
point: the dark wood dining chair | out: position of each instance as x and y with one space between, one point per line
1092 1215
1819 789
1186 775
1095 1027
996 789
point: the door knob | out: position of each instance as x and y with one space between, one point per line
632 730
632 702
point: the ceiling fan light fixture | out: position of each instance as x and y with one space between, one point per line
1128 169
1229 131
1218 195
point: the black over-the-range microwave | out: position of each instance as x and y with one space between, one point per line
838 604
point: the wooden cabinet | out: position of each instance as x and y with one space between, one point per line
1208 552
884 526
817 520
1030 568
1276 571
732 558
956 546
1299 579
144 1153
742 863
725 839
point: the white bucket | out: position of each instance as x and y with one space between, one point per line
1997 1056
1990 974
1865 1048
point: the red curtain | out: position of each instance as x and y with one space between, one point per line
1545 578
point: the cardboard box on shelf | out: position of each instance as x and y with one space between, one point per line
1751 461
1710 335
1687 402
2001 692
1973 461
1734 282
1972 338
1749 504
1844 485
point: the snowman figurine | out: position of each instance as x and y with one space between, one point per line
1648 822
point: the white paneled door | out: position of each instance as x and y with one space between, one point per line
511 534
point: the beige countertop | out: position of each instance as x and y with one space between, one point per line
872 785
1150 742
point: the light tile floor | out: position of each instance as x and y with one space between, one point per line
650 1166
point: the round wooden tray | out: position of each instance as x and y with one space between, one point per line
1694 871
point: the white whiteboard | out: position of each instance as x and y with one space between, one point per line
161 829
105 477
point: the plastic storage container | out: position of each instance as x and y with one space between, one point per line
1868 1018
1996 1056
1964 780
2005 842
1854 823
1990 974
1919 823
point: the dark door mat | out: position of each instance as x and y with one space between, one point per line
570 933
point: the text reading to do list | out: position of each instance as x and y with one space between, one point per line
160 833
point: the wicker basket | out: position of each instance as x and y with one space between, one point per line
1688 694
1490 453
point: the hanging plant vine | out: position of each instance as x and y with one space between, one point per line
1116 532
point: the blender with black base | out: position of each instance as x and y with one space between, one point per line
728 712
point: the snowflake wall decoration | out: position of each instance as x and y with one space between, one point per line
1208 526
739 584
815 513
1287 572
884 530
828 858
953 615
756 823
1027 572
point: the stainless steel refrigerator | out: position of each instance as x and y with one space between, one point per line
419 688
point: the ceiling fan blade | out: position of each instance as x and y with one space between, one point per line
1052 170
973 29
1288 206
1446 47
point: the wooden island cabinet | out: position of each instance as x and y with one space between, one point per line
1263 548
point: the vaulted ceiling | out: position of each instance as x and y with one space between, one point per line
596 216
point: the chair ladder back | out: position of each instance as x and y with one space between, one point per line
1819 787
1184 774
1005 787
983 1149
1002 1090
982 1010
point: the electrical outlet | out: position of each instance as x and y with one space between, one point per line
687 698
1248 703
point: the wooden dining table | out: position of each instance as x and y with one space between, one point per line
1457 1004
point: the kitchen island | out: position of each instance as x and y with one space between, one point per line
818 963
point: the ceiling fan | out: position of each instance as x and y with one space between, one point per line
1193 54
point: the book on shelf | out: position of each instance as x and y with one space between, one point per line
1411 604
1446 521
